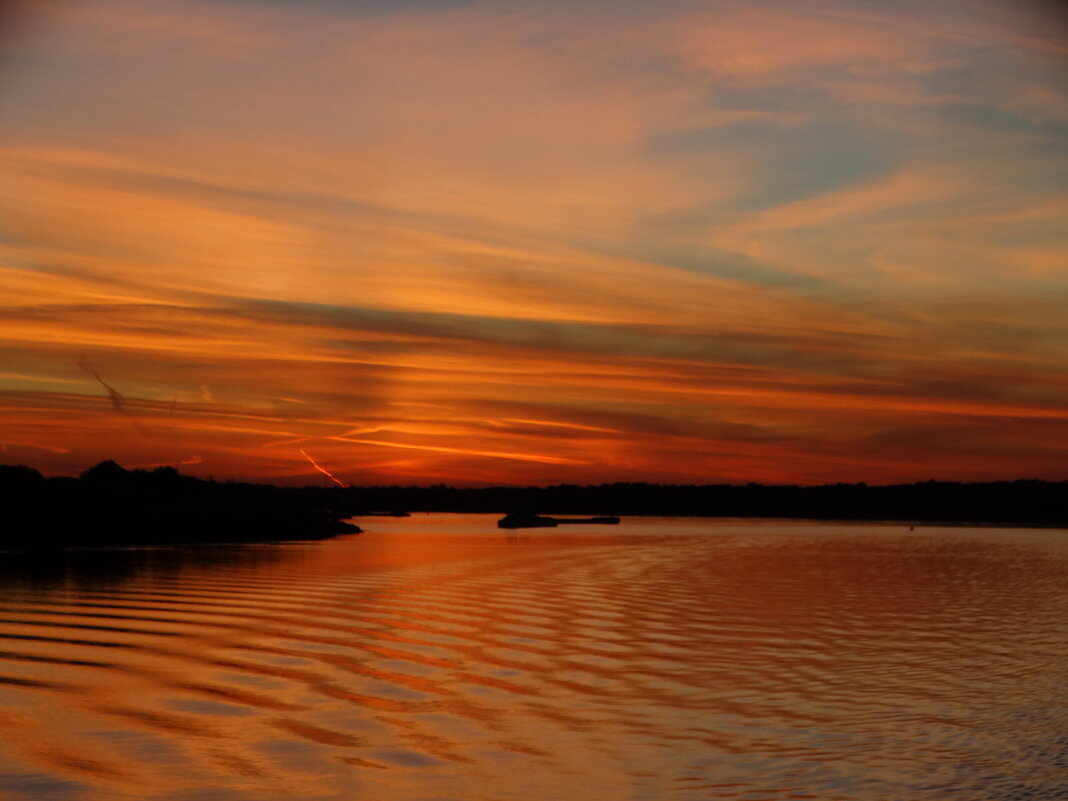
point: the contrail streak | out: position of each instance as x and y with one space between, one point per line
324 471
116 397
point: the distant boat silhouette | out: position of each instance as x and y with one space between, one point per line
526 520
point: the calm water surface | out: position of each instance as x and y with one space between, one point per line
435 657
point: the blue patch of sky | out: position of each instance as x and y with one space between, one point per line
365 7
797 161
1001 121
648 245
632 8
970 94
821 159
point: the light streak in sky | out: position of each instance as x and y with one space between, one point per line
522 457
323 470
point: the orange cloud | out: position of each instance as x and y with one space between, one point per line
487 244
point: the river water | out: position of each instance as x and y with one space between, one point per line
437 657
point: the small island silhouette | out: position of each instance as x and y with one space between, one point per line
109 505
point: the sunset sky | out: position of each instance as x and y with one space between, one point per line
426 241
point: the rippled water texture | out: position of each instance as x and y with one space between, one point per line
437 658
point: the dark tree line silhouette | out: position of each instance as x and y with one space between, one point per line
110 505
1025 502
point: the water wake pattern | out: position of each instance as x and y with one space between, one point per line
440 660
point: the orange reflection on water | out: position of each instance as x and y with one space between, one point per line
649 659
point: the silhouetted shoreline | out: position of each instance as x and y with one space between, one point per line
1024 502
109 505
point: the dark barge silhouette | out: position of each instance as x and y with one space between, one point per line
523 520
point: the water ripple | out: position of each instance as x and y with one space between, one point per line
684 660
